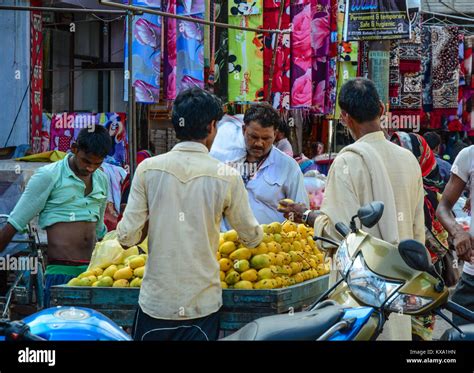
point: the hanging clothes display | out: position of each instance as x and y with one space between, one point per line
190 46
245 52
331 79
301 73
406 89
146 64
169 55
280 95
445 73
221 51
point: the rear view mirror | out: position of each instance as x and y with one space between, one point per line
415 255
370 214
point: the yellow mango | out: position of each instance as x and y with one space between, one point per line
231 236
264 284
136 282
249 275
227 247
225 264
121 283
264 273
74 282
242 265
123 274
86 274
97 271
131 251
243 285
224 285
139 272
240 254
136 262
276 227
106 281
260 261
110 271
232 277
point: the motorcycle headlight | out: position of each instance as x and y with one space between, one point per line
343 260
406 303
369 287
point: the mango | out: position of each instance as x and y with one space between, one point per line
272 257
243 285
121 283
218 256
227 247
250 275
106 281
95 284
97 271
136 262
139 272
264 284
265 273
74 282
225 264
123 274
272 248
261 249
288 226
296 267
286 247
240 254
231 235
85 281
92 278
242 265
277 238
260 261
86 274
224 285
276 227
136 282
232 277
267 238
287 200
222 275
266 228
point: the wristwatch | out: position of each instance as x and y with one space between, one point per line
306 216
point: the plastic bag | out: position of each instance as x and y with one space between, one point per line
106 253
229 144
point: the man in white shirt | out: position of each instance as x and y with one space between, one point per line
269 174
182 196
461 172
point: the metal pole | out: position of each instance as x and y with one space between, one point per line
138 9
60 10
131 95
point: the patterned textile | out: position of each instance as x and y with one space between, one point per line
445 70
190 46
245 53
331 80
320 40
65 128
301 73
146 51
169 55
427 96
222 50
280 95
405 96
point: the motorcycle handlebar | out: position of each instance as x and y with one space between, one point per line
460 311
17 331
342 229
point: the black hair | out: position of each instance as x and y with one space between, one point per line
264 114
433 139
97 142
193 110
360 99
284 128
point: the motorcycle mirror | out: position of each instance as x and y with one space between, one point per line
370 214
415 255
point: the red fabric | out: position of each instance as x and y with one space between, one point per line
427 159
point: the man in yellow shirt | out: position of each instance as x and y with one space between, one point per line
182 196
371 169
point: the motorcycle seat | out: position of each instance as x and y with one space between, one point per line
300 326
453 335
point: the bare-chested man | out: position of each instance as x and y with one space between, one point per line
70 197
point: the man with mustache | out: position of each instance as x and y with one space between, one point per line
269 174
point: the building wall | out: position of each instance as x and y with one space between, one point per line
464 6
14 63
